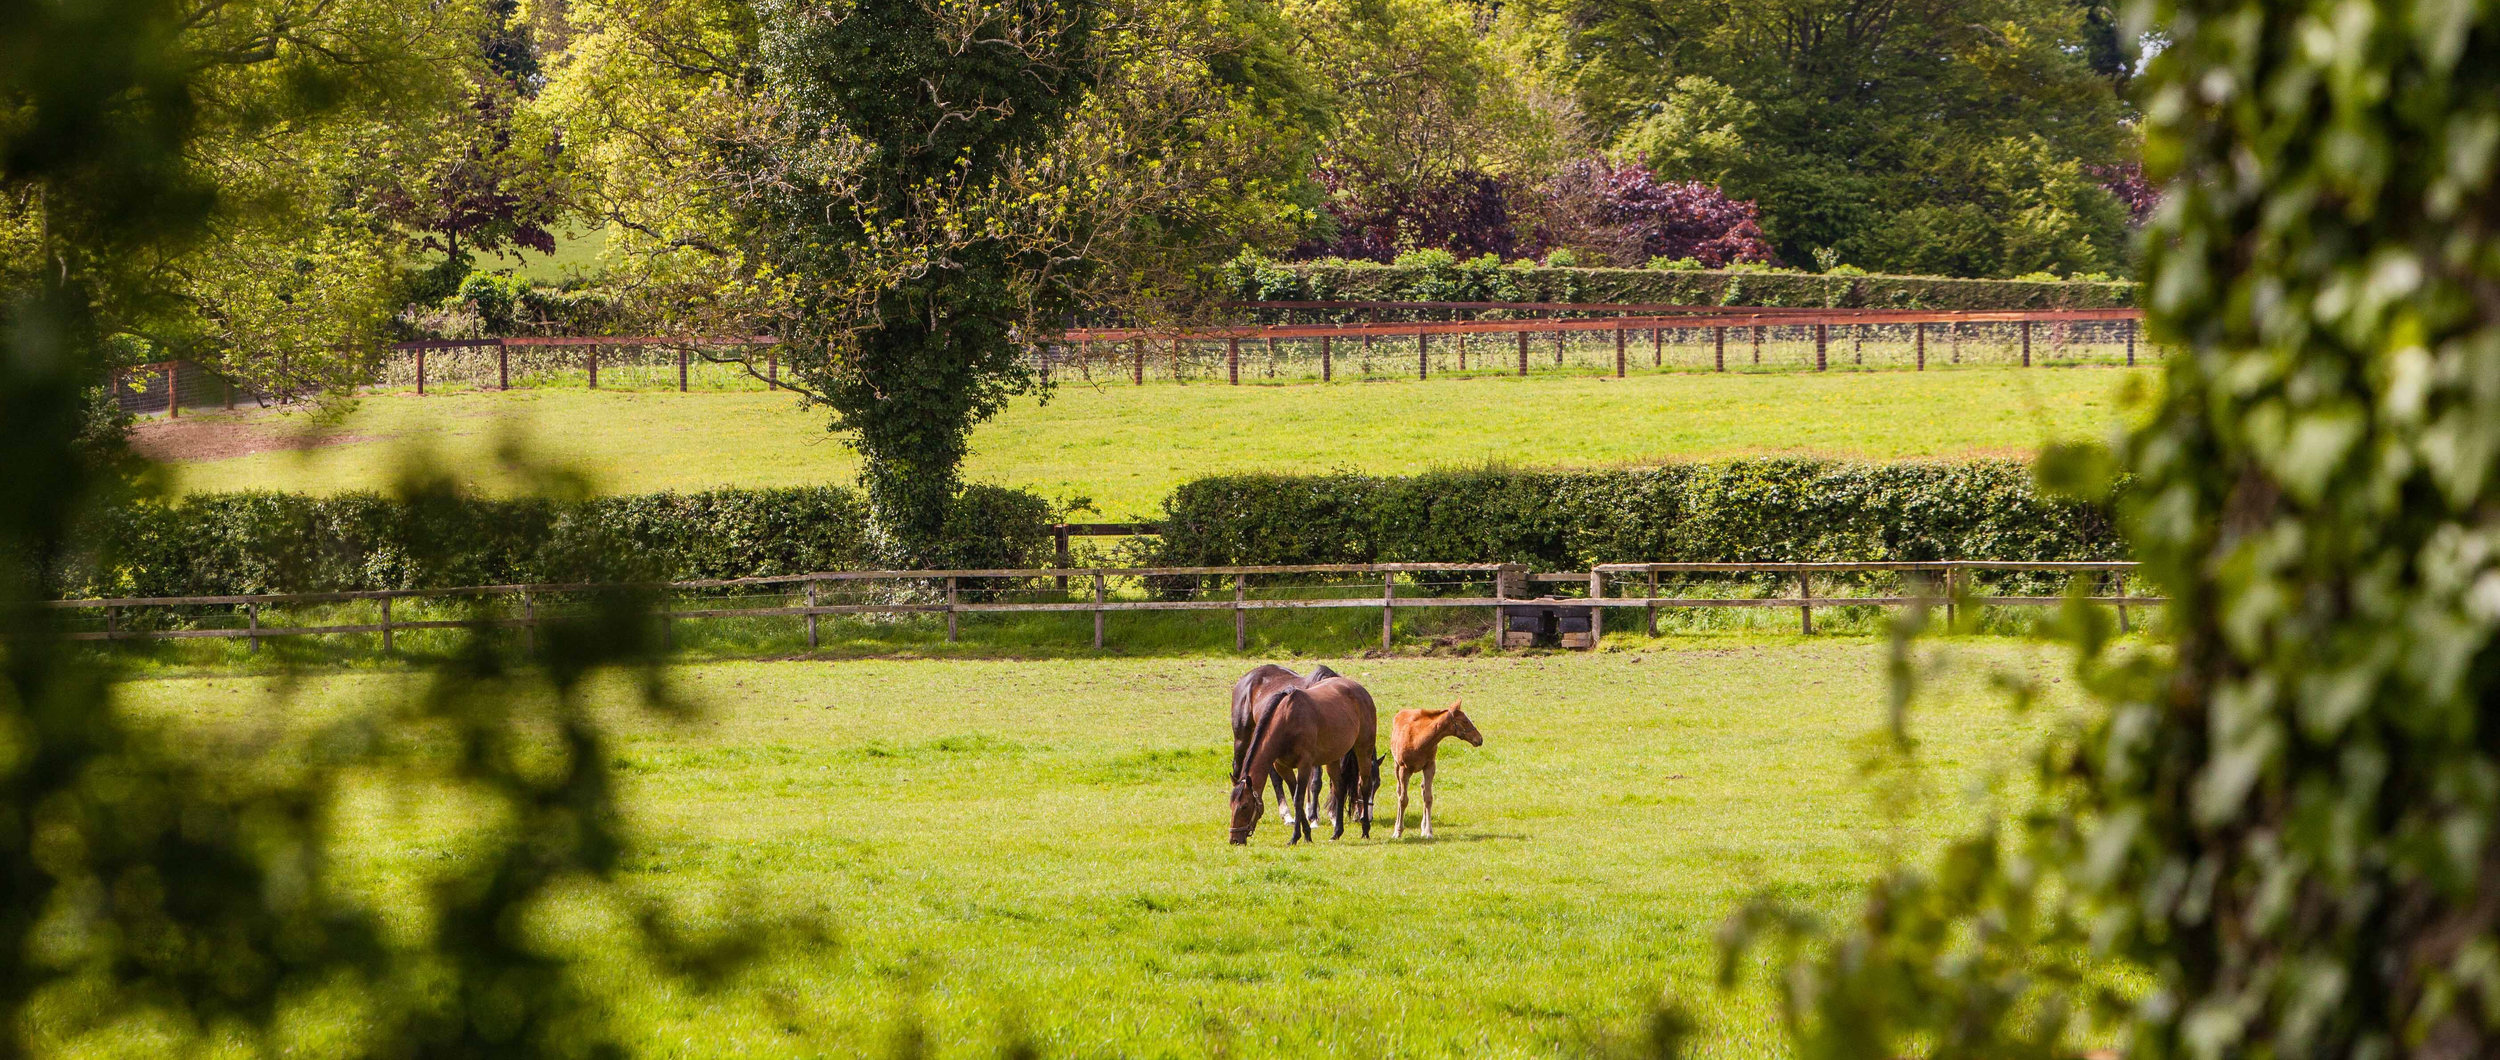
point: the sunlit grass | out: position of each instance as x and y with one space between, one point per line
1037 848
1126 447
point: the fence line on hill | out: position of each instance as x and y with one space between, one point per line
1690 338
1514 595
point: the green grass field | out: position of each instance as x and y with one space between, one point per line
1126 448
1037 848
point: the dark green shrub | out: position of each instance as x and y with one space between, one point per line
1565 520
1481 281
259 542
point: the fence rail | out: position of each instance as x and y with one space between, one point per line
1510 591
1576 337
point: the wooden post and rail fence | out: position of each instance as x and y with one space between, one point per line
1128 347
1514 590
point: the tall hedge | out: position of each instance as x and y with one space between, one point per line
257 542
1474 282
1564 520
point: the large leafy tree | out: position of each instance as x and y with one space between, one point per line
756 177
911 264
1871 128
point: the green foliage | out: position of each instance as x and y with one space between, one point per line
1484 279
262 542
910 354
193 896
2282 826
1870 127
1566 520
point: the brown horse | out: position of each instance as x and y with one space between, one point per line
1254 691
1414 737
1327 728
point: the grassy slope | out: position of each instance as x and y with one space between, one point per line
1126 448
1040 844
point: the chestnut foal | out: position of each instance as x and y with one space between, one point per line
1414 737
1329 727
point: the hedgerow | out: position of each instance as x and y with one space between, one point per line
1764 510
259 542
1446 279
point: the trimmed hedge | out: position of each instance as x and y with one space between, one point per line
259 542
1473 282
1766 510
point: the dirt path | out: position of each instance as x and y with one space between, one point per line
223 435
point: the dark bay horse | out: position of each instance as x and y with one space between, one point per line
1253 691
1329 728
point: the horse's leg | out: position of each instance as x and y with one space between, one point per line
1286 809
1399 832
1301 816
1428 770
1311 801
1337 798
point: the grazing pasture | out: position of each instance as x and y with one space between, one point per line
1127 447
1036 849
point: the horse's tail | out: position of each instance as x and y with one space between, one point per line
1265 715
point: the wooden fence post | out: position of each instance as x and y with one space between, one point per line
1597 614
1653 603
1857 344
1718 349
386 625
772 368
811 616
1822 340
420 373
1952 585
1462 351
950 610
1327 359
112 623
1388 605
1232 359
529 622
1559 336
1922 344
1241 618
253 609
1618 351
1805 611
2130 330
1098 596
1061 533
2026 327
594 366
1658 347
1523 351
1176 358
1757 344
173 403
1423 354
681 369
1501 592
1138 346
503 366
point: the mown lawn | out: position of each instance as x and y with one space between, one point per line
1125 447
1036 848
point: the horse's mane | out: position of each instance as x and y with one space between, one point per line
1322 672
